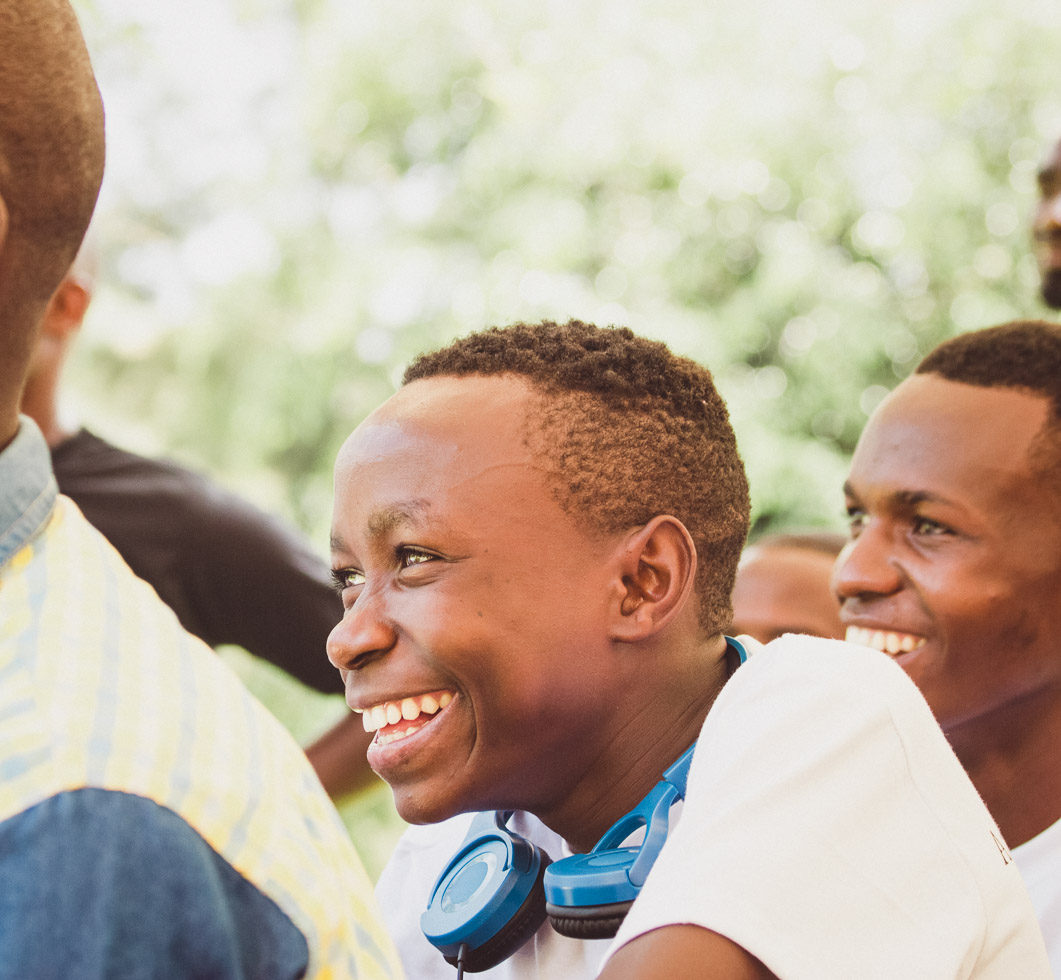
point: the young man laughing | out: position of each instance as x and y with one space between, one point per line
535 540
954 569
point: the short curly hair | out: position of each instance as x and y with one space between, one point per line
1024 355
628 431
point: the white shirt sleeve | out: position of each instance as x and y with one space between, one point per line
830 831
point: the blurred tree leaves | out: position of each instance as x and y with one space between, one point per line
303 195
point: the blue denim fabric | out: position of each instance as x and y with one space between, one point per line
27 489
101 885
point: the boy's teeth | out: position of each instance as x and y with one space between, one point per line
374 718
394 736
887 642
408 709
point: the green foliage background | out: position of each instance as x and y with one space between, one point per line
804 197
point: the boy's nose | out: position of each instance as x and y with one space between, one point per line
362 635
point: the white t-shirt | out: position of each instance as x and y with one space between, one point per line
1039 861
828 829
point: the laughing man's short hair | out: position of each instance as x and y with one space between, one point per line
1024 355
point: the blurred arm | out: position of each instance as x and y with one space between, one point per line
339 758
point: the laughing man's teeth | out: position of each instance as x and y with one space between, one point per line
890 643
409 709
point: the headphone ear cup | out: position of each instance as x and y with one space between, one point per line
588 922
526 921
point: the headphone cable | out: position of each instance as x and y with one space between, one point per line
461 952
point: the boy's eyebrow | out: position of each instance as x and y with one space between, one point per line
386 519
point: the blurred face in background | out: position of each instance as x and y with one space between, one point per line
785 589
1046 229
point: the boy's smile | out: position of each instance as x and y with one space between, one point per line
473 639
395 720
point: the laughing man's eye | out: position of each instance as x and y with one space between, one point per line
347 578
926 527
856 519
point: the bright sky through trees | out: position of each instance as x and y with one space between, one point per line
301 195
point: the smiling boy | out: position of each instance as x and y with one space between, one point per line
954 568
535 540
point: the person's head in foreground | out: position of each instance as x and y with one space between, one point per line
535 540
954 563
51 166
1046 228
783 586
516 536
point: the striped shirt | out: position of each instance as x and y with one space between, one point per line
214 850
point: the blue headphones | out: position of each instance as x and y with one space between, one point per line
499 887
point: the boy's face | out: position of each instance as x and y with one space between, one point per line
954 563
464 581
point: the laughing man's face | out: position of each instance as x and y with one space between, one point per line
954 562
472 639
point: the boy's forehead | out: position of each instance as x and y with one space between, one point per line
452 422
448 400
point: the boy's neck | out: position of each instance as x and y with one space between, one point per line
656 733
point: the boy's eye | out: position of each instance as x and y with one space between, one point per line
408 557
347 578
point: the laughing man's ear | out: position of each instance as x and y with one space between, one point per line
658 566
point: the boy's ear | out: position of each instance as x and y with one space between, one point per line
657 569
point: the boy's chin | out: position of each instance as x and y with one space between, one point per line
418 806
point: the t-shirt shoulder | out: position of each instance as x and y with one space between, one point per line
824 801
